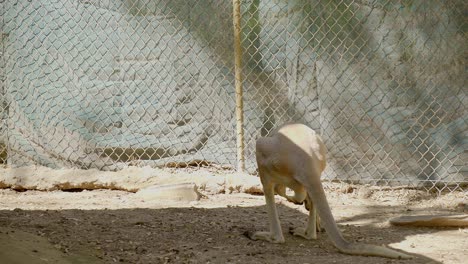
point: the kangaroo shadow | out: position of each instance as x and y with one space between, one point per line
183 235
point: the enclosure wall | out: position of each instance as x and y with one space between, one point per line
110 84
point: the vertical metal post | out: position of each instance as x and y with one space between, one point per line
238 82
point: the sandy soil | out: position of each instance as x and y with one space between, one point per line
104 226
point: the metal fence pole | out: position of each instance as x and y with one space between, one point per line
238 76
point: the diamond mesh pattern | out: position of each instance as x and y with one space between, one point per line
382 81
110 84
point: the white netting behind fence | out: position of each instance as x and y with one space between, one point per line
110 84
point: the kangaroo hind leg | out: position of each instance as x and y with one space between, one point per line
313 222
275 235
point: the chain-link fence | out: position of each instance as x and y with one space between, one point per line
109 84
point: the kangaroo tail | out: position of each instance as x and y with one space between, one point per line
372 250
328 222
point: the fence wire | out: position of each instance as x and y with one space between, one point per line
111 84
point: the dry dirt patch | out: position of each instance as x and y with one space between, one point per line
104 226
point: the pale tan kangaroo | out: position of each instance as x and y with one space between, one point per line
294 157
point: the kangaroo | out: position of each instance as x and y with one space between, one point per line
295 157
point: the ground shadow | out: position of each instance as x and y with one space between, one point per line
187 235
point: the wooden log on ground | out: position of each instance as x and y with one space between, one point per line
432 220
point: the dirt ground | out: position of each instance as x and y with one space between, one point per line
104 226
